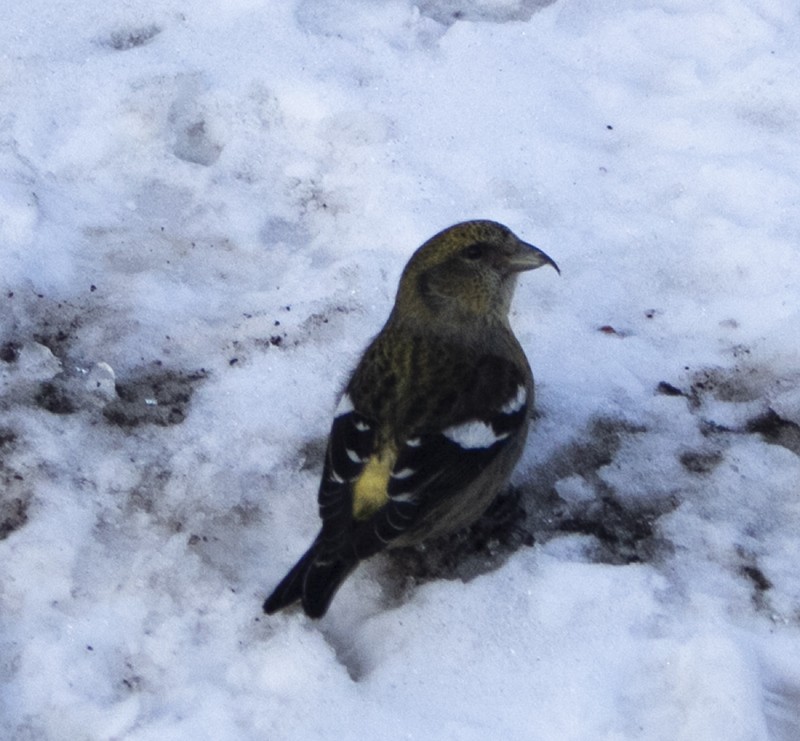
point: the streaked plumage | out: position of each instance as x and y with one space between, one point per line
434 417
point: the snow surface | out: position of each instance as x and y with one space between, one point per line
204 211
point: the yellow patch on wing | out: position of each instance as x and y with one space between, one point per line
370 490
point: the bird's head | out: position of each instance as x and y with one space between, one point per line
466 273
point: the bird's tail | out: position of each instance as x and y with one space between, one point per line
314 580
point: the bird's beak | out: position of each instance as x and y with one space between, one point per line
528 257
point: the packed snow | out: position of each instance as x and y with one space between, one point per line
204 212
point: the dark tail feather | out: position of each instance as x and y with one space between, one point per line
290 588
323 580
312 580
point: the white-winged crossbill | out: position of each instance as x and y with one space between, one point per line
434 417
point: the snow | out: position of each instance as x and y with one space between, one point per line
204 211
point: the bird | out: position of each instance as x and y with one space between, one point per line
434 417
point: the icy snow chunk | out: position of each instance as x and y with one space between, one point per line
101 381
575 489
37 363
189 119
787 405
194 144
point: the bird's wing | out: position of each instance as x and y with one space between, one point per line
434 466
350 444
441 458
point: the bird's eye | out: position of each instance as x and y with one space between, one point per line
475 251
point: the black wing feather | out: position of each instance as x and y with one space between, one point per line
433 467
